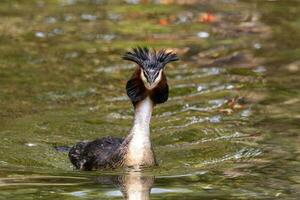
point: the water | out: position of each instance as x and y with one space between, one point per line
230 129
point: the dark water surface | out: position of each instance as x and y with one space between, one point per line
230 129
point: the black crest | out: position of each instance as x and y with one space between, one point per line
150 59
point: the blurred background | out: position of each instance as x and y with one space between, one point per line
230 129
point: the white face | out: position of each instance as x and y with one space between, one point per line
155 82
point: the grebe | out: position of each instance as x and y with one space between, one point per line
146 88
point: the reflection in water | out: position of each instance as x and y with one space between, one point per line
134 185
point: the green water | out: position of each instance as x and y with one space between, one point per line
230 129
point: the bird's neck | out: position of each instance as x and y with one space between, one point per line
139 148
142 117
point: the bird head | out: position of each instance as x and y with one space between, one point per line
149 78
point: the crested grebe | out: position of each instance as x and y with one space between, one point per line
146 88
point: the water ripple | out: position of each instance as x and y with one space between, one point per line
241 154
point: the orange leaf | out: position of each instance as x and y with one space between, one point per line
207 17
163 22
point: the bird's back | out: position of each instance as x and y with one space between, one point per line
94 154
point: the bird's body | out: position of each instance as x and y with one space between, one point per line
146 88
135 149
94 154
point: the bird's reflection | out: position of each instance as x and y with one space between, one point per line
134 185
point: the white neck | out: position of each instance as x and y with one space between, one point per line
139 148
142 117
